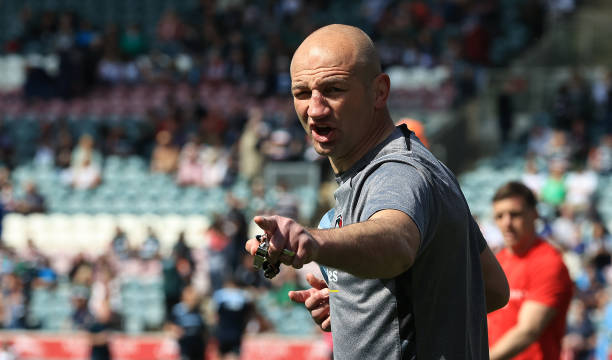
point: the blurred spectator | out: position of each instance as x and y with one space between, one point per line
562 108
63 155
190 168
99 334
601 156
117 142
64 38
9 202
581 186
599 246
12 302
580 338
45 154
278 145
86 36
539 138
554 189
32 201
564 229
7 351
170 30
505 111
246 275
7 199
46 277
235 228
85 149
165 154
177 272
286 203
87 175
234 308
251 160
532 177
149 250
105 288
580 140
132 41
7 148
589 284
604 341
120 244
558 148
5 176
181 249
82 274
187 325
258 203
217 248
215 164
81 318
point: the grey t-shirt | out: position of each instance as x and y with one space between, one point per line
436 309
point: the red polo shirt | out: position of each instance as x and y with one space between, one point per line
538 275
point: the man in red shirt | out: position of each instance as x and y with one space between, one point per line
532 324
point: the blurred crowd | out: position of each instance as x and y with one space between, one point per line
215 283
249 43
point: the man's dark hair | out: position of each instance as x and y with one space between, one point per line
516 189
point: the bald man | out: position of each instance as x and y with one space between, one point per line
406 266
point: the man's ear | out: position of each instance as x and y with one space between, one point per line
382 86
534 213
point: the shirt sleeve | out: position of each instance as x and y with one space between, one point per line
550 284
477 234
326 223
399 186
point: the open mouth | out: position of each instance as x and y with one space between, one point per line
322 130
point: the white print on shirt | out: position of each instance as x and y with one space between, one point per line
332 275
516 294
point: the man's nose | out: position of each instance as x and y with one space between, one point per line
318 106
503 221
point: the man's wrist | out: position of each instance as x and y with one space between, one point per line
319 238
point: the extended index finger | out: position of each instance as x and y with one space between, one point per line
277 241
266 223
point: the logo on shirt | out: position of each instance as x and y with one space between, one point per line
339 221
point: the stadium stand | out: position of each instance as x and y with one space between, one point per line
129 218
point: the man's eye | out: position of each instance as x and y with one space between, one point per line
301 94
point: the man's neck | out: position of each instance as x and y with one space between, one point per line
379 134
523 246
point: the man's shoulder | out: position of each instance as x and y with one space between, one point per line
543 250
545 261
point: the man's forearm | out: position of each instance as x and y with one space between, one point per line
381 247
512 343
